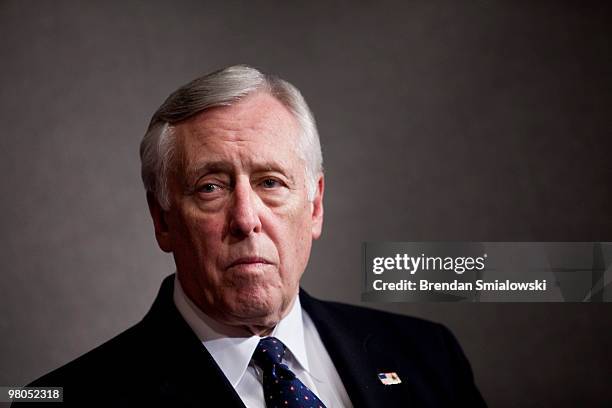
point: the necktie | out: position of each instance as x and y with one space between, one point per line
281 387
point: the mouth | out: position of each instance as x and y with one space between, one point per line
249 261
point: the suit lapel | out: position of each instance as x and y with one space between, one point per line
187 375
185 372
358 356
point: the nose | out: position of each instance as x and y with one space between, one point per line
244 214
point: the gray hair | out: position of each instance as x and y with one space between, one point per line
222 88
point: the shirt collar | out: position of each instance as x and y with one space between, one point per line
290 331
231 350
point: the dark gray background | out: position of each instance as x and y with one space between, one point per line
481 120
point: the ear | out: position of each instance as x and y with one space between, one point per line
317 209
159 215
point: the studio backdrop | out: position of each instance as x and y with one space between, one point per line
439 121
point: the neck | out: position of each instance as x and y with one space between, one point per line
261 331
217 328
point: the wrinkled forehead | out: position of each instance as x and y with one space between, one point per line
258 131
259 110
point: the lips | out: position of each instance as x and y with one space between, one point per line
249 260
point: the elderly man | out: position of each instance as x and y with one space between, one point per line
232 166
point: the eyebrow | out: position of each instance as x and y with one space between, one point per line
194 173
207 168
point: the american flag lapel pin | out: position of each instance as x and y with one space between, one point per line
389 378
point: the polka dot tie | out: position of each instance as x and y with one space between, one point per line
281 387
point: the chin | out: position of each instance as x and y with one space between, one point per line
257 306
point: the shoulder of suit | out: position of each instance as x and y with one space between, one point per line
114 356
359 315
382 330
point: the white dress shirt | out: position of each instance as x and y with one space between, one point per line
306 355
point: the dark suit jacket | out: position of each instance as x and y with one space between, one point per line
161 362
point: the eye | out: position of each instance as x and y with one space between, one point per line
270 183
209 188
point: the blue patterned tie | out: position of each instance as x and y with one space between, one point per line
281 387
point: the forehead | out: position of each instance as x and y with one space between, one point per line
259 124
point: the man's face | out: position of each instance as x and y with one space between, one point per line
240 225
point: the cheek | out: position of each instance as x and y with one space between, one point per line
294 244
199 237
